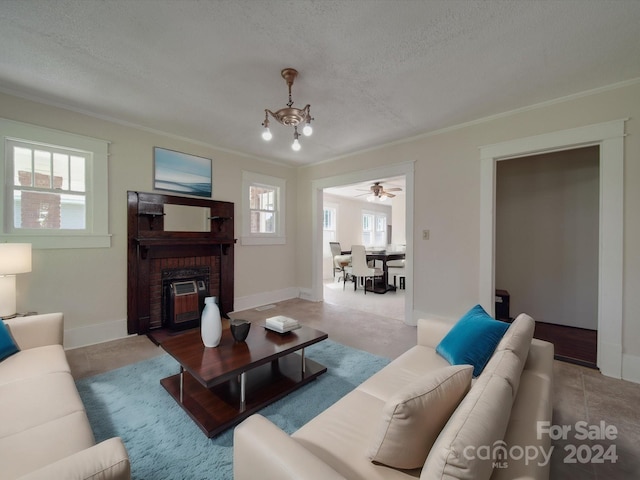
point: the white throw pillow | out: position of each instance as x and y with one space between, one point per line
413 417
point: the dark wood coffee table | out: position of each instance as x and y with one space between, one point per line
219 387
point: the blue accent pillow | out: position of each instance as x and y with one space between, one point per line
472 339
7 346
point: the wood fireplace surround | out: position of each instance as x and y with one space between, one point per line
152 250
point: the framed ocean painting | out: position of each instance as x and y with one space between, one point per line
181 173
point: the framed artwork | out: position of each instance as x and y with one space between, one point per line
181 173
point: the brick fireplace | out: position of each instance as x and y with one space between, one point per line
155 255
166 272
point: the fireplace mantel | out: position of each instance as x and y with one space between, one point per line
151 247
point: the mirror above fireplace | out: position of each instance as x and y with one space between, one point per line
186 218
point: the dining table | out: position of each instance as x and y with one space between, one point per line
383 286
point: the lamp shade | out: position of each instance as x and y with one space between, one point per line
15 258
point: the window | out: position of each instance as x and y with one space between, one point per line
55 188
374 229
329 222
263 209
380 238
367 229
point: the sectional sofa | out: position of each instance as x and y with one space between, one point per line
44 430
421 417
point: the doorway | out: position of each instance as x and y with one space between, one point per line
547 246
405 169
370 213
609 137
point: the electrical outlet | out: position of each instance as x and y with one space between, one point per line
425 234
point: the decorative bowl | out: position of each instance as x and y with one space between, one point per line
239 329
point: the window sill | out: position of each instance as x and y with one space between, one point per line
43 241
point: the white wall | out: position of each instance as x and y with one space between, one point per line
447 201
547 236
90 285
399 220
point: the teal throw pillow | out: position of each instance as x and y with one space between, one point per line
472 339
7 346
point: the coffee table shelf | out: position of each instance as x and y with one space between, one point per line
211 377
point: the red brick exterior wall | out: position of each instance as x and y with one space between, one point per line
40 210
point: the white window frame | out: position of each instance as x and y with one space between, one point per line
331 234
96 234
278 237
376 217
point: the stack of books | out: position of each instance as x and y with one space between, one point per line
281 324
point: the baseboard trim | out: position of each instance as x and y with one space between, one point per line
631 368
94 334
265 298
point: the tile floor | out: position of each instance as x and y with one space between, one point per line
580 394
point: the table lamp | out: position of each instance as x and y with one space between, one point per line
14 258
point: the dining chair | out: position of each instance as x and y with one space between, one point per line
340 259
396 268
360 269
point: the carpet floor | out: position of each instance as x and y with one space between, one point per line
164 443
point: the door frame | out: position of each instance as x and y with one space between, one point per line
317 188
609 136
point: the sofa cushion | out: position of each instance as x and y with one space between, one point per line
480 421
7 346
37 400
340 436
34 362
472 340
518 337
507 365
408 367
418 412
45 443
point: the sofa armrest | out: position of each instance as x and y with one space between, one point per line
261 450
431 330
107 460
540 357
37 330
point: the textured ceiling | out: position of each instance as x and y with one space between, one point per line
374 71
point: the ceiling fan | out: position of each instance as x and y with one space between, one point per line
377 191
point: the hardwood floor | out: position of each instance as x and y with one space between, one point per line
575 345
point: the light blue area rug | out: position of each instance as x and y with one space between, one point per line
164 443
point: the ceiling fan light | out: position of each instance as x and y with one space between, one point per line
295 145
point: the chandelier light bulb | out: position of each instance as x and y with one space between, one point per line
266 134
307 130
295 145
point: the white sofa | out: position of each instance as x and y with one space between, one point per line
44 430
499 412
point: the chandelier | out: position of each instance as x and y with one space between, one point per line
289 116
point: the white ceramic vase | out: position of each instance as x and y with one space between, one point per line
211 325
